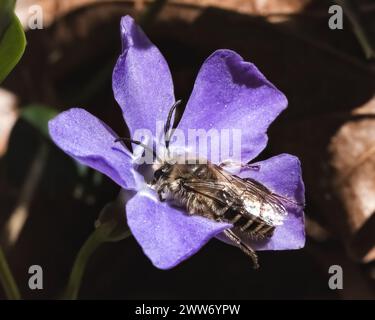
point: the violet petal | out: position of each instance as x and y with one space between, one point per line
91 142
167 235
142 82
230 93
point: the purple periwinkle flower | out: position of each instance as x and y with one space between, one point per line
228 93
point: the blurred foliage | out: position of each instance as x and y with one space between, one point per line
38 116
6 11
12 47
351 10
12 41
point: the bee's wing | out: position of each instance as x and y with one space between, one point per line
256 199
247 195
217 191
261 202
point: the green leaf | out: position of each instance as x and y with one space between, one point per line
38 116
12 47
6 11
7 5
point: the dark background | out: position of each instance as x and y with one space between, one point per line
325 76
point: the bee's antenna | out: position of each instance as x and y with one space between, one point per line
139 143
168 134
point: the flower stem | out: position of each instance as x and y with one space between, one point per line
7 280
363 38
100 235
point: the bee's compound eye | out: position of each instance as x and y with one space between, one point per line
158 173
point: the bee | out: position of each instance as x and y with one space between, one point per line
210 191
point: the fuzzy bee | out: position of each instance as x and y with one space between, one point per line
210 191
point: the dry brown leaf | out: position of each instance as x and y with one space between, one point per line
52 9
353 161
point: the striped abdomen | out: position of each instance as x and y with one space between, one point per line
250 224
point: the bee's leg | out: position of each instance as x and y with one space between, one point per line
229 164
161 190
246 249
160 195
255 167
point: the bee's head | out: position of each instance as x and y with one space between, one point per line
162 173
